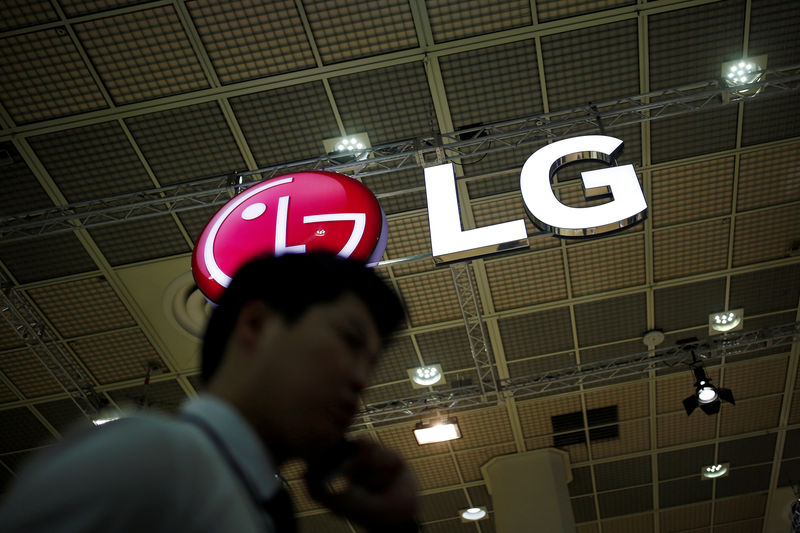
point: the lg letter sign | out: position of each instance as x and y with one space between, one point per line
449 242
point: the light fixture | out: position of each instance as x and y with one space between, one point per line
714 471
106 415
348 148
707 397
725 321
437 431
473 513
743 72
425 376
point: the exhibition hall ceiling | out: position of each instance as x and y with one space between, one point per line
105 98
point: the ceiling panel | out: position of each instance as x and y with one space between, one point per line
391 103
684 306
769 290
24 370
286 124
82 307
28 431
526 279
416 292
471 461
246 39
743 481
91 162
117 356
22 192
140 240
772 32
399 356
35 63
442 505
685 463
621 474
750 415
769 176
84 7
596 322
409 236
766 235
345 30
21 13
448 347
748 451
142 54
64 416
674 256
770 120
629 524
626 501
166 396
30 260
687 135
187 143
454 19
711 186
690 45
685 491
473 94
555 9
605 265
577 69
536 333
540 364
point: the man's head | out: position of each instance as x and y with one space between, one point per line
292 342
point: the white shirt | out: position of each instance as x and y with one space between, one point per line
148 473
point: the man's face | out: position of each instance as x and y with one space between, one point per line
311 372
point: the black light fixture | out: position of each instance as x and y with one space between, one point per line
707 397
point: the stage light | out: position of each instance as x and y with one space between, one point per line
714 471
348 148
425 376
437 431
743 72
725 321
707 397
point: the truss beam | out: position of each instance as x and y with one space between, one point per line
44 344
412 153
596 373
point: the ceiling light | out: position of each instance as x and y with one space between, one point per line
707 397
743 72
725 321
425 376
473 513
714 471
105 416
437 431
348 148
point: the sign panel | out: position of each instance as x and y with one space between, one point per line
305 211
450 242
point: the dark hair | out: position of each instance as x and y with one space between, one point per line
291 283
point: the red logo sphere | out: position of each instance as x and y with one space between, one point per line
295 213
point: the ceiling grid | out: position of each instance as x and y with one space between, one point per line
242 76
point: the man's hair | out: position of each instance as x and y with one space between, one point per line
290 284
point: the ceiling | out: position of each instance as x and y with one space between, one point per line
103 98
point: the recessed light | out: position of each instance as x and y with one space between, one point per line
473 513
352 146
744 72
715 471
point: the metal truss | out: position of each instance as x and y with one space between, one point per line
476 329
610 370
412 153
48 350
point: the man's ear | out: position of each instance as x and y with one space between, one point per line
254 316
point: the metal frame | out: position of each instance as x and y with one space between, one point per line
412 153
552 381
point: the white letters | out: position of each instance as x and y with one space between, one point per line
449 242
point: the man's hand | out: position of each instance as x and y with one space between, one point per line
379 489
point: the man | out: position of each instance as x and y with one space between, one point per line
285 355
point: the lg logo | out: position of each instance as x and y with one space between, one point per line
289 214
449 242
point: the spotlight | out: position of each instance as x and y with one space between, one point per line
348 148
707 397
745 71
437 431
725 321
472 514
425 376
715 471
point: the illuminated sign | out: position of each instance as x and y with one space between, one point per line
449 242
306 211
